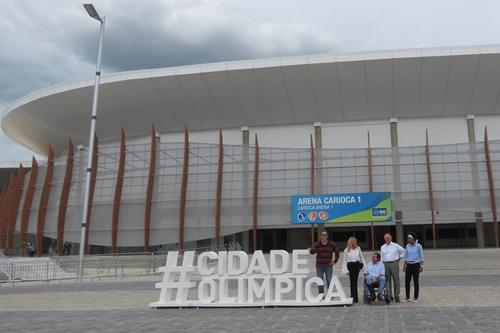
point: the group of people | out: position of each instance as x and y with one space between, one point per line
381 272
30 249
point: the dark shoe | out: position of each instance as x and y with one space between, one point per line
392 298
380 298
387 300
397 300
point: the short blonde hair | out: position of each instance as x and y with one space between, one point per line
352 243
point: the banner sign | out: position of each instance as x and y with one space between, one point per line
341 207
236 279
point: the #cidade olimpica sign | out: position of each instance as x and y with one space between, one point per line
236 279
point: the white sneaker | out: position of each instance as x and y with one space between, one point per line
406 300
414 301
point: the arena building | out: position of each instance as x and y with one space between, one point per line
195 156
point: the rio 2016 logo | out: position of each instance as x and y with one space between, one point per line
379 212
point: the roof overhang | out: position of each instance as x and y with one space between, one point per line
277 91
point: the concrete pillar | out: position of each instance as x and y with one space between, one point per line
318 137
471 128
400 237
398 215
394 132
245 140
245 133
471 131
318 156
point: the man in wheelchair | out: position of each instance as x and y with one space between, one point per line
375 283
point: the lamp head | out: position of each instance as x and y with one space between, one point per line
92 12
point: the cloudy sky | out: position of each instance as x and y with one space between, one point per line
45 42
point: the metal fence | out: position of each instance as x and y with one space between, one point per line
95 267
20 269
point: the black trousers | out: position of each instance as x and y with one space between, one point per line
354 268
412 271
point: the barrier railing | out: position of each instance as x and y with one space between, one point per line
19 269
60 268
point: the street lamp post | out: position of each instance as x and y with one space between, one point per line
93 13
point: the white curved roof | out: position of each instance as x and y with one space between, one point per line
277 91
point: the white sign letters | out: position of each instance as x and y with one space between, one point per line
236 279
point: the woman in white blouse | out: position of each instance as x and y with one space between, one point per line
352 263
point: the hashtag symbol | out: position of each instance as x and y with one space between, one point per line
176 278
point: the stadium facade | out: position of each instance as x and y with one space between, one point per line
194 156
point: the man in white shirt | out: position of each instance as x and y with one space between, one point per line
391 254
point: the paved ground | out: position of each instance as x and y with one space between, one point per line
460 292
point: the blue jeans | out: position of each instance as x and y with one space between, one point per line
381 283
325 273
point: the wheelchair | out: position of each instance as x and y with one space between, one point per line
380 295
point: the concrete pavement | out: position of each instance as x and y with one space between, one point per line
460 292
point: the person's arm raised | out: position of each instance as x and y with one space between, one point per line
313 249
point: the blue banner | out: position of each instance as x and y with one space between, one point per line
341 207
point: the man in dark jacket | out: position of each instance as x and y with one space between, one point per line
324 249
